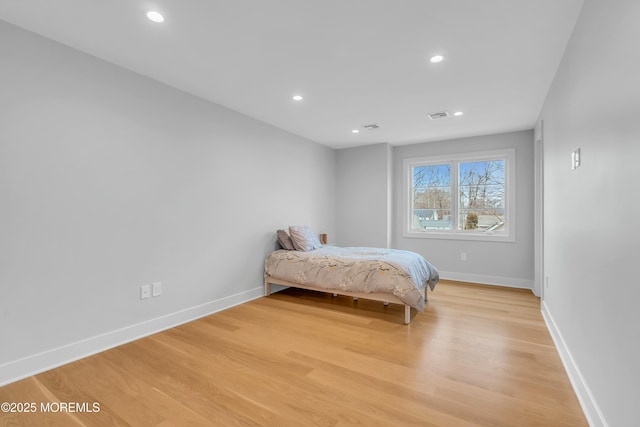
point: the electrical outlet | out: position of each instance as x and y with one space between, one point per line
145 291
463 256
157 289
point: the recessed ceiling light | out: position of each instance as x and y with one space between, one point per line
297 97
436 58
155 16
458 113
355 131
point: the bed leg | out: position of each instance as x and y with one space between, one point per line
267 287
425 293
407 314
355 298
335 295
386 303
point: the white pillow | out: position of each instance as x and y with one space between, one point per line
304 238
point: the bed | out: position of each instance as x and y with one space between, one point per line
387 275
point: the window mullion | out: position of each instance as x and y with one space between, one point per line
455 196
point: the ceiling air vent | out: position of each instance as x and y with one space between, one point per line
440 115
371 126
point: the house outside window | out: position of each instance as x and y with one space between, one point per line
468 196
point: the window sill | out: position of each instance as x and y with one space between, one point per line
484 237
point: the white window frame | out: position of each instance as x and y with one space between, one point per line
508 235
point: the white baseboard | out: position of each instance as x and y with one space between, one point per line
38 363
509 282
592 412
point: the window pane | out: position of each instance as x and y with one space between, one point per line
481 191
431 197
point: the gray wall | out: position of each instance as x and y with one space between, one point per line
503 263
110 180
363 194
591 237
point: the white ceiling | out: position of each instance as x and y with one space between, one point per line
355 62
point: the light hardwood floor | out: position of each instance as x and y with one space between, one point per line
477 356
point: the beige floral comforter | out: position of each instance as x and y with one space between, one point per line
398 272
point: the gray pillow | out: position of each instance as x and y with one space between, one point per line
304 239
285 240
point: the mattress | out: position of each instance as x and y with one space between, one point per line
404 274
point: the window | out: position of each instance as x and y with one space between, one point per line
466 196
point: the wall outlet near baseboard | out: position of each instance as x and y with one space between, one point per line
145 291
